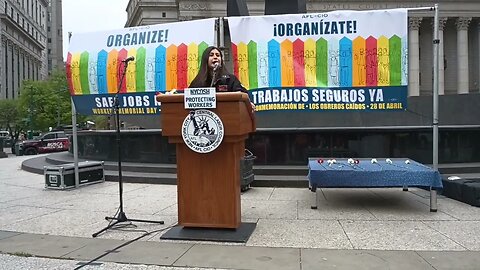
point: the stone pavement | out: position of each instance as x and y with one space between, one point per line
352 228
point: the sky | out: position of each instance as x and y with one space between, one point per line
91 16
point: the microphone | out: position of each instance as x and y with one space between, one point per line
126 60
216 66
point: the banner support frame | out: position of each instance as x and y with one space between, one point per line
436 43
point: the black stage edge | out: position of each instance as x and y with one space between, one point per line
239 235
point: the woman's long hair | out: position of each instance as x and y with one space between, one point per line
204 76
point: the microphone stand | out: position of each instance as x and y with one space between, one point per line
214 74
120 217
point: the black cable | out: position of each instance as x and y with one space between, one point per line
130 230
119 227
111 221
122 245
429 117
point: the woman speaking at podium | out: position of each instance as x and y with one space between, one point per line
213 73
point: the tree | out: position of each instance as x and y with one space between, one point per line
47 103
11 117
57 84
101 121
40 106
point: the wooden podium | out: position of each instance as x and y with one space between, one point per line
208 185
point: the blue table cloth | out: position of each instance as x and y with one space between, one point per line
368 174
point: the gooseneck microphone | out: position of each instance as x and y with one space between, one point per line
216 66
131 58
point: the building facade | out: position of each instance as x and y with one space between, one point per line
54 36
363 134
459 34
31 42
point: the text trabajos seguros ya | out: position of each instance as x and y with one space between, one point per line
318 95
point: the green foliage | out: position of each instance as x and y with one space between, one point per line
10 117
41 105
101 122
45 104
8 110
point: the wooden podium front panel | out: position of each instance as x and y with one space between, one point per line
209 186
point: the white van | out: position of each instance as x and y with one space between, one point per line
4 134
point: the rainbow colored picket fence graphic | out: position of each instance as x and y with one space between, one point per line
154 69
322 63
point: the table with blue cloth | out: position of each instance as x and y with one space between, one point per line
363 173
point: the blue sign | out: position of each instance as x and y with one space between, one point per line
129 103
387 98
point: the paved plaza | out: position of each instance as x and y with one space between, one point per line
351 229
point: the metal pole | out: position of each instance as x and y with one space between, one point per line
74 135
30 115
436 41
221 32
436 44
423 8
75 144
58 116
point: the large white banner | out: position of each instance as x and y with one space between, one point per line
155 58
340 60
335 24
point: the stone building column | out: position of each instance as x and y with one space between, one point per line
36 69
441 57
3 62
15 72
21 74
9 68
413 57
29 67
462 55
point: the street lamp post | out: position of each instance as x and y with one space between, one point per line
58 105
58 117
30 115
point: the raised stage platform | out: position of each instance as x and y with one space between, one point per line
265 176
160 173
465 189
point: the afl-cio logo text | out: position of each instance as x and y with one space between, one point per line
202 131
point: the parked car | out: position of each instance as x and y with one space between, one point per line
49 142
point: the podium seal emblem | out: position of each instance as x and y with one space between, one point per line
202 131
